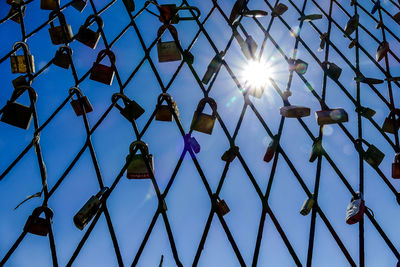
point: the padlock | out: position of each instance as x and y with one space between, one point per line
163 112
87 36
255 91
222 207
271 149
330 116
82 104
396 167
191 143
391 124
203 122
316 150
213 67
373 156
294 111
102 73
352 44
323 38
307 206
14 15
60 34
366 80
20 81
279 10
49 4
168 51
396 17
254 13
170 13
382 50
137 168
17 114
131 110
230 154
236 10
298 65
332 70
79 5
365 112
37 225
89 210
22 63
129 5
355 210
63 56
188 57
351 25
310 17
250 48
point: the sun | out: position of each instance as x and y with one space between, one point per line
256 74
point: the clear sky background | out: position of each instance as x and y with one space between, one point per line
133 203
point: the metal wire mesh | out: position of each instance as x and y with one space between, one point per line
358 61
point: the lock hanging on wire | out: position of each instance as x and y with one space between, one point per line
230 154
59 34
307 206
202 122
168 51
396 167
382 50
373 156
271 149
37 225
391 124
163 111
87 36
81 105
331 116
22 63
79 5
298 65
332 70
131 110
103 73
137 167
89 210
213 67
16 114
170 13
49 4
351 25
63 57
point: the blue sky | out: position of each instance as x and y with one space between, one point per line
133 203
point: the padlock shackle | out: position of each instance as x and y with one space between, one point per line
164 96
94 18
61 18
210 101
171 29
23 45
141 145
43 209
358 144
65 48
108 53
76 90
21 89
115 97
190 8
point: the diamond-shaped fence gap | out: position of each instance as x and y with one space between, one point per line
323 240
157 245
217 250
272 248
380 252
245 208
34 250
217 26
98 247
187 213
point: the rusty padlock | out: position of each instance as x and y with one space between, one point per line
61 34
202 122
49 4
63 56
89 210
330 116
168 51
102 73
131 110
87 36
163 111
271 149
17 114
230 154
137 167
382 50
332 70
396 167
37 225
373 156
221 207
22 63
82 104
294 111
391 124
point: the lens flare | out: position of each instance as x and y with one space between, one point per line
256 74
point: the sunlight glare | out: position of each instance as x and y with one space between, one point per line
256 74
